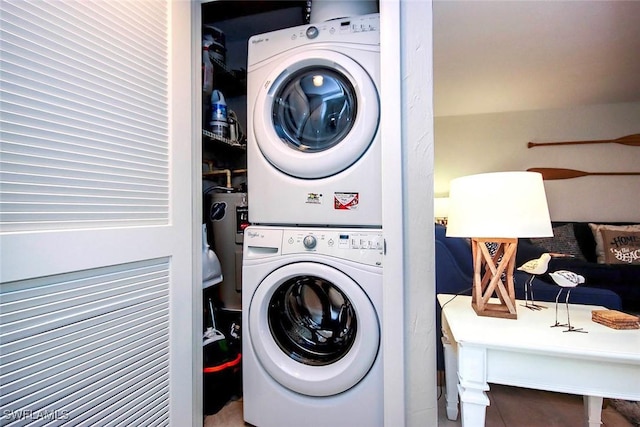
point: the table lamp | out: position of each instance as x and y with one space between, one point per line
497 207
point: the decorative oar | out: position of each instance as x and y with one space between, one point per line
631 140
558 173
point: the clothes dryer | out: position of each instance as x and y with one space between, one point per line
313 149
312 307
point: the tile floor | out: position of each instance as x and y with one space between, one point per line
510 407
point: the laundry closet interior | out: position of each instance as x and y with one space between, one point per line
226 28
292 201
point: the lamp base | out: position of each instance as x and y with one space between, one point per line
494 310
493 275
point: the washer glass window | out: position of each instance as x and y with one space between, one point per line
312 320
314 109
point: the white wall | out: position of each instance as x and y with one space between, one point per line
481 143
408 326
419 241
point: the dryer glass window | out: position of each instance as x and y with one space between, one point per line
314 109
312 320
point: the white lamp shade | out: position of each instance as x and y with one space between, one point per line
499 204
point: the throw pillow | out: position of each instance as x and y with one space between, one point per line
621 247
492 247
597 236
563 242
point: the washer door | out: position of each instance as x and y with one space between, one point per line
316 114
313 329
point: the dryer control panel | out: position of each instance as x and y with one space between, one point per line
359 32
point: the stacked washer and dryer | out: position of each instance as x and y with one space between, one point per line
312 263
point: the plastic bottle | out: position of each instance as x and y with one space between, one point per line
207 71
219 123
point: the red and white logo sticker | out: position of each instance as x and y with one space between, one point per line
346 201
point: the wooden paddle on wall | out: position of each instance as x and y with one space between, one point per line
559 173
631 140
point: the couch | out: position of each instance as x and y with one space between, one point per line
454 275
577 240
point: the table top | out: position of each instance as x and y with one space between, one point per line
532 332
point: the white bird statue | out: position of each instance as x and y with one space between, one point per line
534 267
566 279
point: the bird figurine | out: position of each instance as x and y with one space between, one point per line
569 280
534 267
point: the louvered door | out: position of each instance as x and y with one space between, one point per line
95 213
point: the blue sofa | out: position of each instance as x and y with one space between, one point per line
623 279
454 275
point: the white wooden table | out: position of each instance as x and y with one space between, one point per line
527 352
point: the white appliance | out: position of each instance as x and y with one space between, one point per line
313 150
312 300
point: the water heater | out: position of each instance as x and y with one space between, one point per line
228 216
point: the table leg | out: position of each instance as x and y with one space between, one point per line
451 378
473 406
593 410
472 385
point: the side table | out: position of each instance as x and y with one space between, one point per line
528 352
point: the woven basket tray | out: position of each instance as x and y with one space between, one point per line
615 319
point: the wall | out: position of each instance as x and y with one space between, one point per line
481 143
406 126
419 240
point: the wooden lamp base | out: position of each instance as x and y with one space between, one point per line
488 278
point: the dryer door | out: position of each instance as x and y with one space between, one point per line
316 114
314 330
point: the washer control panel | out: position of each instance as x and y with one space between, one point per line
365 246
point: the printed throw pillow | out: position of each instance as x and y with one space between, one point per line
621 247
492 247
563 242
597 235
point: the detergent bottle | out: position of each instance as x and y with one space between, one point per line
219 122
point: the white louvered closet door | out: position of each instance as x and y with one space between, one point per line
96 185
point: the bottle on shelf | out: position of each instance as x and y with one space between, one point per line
219 122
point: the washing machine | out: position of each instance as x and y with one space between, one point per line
312 307
313 149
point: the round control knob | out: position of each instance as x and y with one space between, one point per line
312 32
309 242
